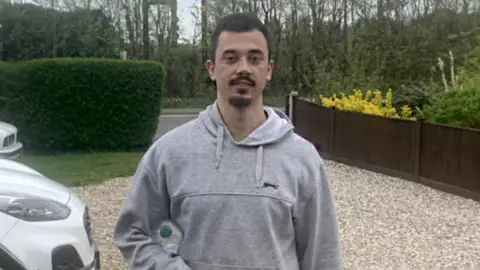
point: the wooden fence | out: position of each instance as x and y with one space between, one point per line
443 157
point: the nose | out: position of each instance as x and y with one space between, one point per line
243 68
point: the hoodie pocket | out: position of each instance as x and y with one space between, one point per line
205 266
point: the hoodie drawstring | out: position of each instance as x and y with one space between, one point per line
258 163
218 154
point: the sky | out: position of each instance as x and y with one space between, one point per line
186 19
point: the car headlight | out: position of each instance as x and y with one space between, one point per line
30 208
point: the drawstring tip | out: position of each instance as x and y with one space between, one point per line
217 164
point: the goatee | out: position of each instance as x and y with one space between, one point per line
239 102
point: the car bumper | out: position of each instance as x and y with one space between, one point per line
12 152
9 261
95 264
52 245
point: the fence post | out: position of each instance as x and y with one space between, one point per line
287 105
332 131
292 106
418 150
123 55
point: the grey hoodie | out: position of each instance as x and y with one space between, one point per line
262 203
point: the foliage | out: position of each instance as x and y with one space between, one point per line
315 52
5 86
31 32
371 103
3 96
71 104
419 94
460 107
471 69
416 95
459 103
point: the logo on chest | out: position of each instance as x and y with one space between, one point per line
270 185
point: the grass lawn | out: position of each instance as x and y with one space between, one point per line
84 169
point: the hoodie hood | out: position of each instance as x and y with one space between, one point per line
274 129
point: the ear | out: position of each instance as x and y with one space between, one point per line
210 68
271 64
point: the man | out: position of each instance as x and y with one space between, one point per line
244 189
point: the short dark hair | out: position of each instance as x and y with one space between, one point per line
239 23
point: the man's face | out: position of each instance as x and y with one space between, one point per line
241 67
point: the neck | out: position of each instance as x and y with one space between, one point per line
241 122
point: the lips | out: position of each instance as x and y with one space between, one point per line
242 82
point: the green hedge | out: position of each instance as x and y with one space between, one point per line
73 105
4 68
458 107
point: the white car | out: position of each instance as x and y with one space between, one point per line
43 225
9 146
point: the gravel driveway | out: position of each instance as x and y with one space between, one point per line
386 222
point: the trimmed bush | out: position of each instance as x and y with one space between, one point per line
4 96
73 105
459 107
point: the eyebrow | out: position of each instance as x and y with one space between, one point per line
251 51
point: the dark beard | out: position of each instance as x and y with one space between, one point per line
239 102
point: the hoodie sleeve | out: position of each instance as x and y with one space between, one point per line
145 207
316 227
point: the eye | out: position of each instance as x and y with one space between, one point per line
230 59
255 59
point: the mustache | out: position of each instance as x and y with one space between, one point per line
242 78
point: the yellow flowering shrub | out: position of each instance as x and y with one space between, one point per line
371 103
